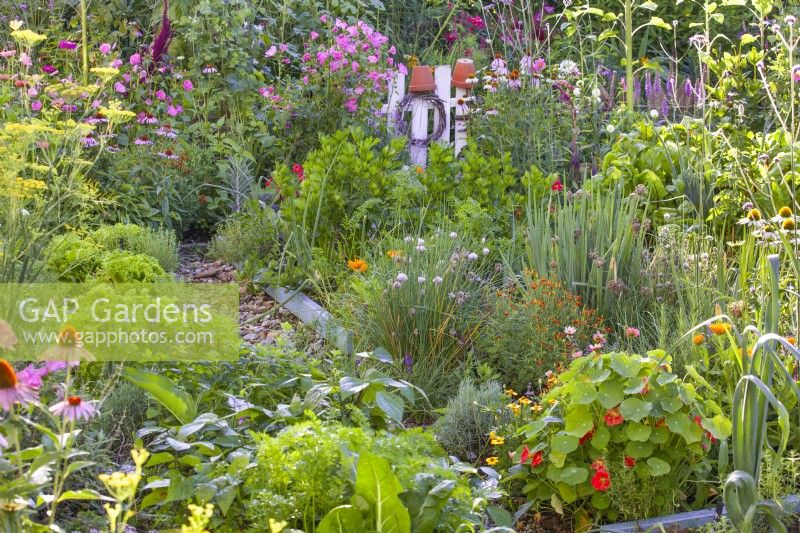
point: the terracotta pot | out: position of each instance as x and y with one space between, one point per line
422 80
465 68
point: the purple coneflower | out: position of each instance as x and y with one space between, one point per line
12 390
89 141
144 140
146 118
210 69
168 154
166 130
73 409
67 45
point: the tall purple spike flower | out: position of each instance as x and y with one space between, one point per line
637 91
164 37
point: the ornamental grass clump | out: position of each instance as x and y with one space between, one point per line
422 300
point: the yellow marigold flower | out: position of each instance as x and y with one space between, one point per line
496 440
552 401
511 392
698 339
536 408
357 265
788 224
491 461
754 214
719 328
524 400
785 211
514 408
791 340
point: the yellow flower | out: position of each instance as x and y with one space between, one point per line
495 440
524 400
105 73
114 112
514 408
511 392
28 37
357 265
394 254
491 461
536 408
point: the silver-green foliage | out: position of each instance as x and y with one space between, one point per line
470 416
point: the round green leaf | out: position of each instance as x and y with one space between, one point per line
600 438
584 392
564 443
638 432
657 466
579 421
611 393
638 450
635 409
573 475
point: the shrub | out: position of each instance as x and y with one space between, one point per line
121 266
534 327
252 234
72 258
470 416
161 244
619 429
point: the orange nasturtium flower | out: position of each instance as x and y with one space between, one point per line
698 339
719 328
357 265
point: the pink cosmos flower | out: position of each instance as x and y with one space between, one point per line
351 104
25 59
105 48
67 45
188 85
631 332
12 390
73 409
323 18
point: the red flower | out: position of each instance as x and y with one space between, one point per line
630 462
536 457
557 185
297 168
598 465
613 418
586 437
601 480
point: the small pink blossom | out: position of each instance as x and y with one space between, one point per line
161 95
313 35
120 88
67 45
188 85
36 105
136 59
105 48
351 104
271 51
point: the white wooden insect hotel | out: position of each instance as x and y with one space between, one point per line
430 90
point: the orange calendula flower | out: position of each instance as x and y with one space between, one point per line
394 254
491 461
719 328
698 339
613 417
791 340
357 265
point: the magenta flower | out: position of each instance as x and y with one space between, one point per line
313 35
67 45
49 69
57 366
174 110
135 59
187 85
351 104
796 73
105 48
631 332
161 95
120 88
116 63
73 409
36 105
271 51
32 376
144 140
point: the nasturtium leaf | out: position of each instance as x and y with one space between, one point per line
719 426
635 409
557 458
625 365
671 405
665 377
554 473
567 492
600 438
681 424
600 500
572 475
638 432
658 467
599 375
578 421
584 392
638 450
660 435
564 443
611 393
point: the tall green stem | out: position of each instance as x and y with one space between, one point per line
85 43
629 55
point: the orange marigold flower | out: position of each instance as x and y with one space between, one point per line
357 265
394 253
719 328
791 340
613 418
698 339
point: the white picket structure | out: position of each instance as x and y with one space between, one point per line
455 134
